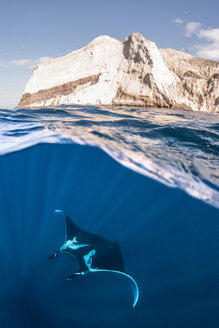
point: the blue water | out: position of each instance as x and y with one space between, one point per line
145 178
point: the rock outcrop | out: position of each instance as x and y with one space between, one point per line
129 73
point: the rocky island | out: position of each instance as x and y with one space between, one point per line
129 73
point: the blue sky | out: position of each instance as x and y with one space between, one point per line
33 31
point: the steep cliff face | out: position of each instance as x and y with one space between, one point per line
199 78
129 73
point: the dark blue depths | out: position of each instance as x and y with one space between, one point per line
169 242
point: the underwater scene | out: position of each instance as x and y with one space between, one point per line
109 218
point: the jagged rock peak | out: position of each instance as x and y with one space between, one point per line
136 37
136 47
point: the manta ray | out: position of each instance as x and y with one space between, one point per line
93 254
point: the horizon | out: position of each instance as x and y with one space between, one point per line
51 29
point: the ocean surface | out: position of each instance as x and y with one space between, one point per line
147 179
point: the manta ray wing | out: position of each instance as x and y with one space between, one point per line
71 230
82 236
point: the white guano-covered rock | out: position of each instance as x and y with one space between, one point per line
129 73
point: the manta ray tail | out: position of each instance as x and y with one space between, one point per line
134 285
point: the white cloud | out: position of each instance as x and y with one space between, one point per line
208 39
209 50
178 21
42 60
210 34
25 62
19 62
192 28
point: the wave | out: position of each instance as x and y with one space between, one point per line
177 149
